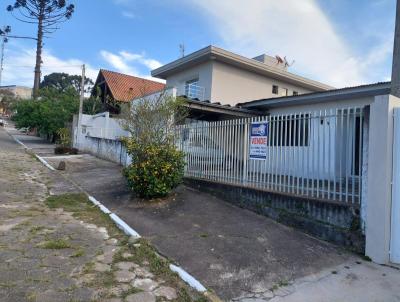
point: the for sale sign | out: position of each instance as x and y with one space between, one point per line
258 140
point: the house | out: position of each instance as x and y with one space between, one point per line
20 92
115 88
14 92
217 75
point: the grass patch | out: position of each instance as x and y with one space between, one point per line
36 229
82 209
55 244
79 253
130 291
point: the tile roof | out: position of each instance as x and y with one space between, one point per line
125 88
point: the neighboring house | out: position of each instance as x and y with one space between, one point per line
10 93
115 88
21 92
217 75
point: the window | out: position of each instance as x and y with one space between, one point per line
191 88
295 92
285 92
290 131
275 89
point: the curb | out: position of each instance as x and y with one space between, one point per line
122 225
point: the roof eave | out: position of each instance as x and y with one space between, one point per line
333 95
215 53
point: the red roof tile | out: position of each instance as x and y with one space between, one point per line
125 88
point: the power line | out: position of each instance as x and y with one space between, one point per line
44 66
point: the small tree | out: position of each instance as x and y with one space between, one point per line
48 114
47 15
157 165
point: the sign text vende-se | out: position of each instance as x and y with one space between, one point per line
258 140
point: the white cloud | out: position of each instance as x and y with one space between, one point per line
123 62
128 15
297 29
20 62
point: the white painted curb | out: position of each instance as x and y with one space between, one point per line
185 276
19 142
94 200
45 162
123 226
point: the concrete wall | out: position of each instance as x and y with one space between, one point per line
379 184
232 85
203 72
337 223
228 84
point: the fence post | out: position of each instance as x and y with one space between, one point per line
245 150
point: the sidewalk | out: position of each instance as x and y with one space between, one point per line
62 249
242 256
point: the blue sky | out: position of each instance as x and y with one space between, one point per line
339 42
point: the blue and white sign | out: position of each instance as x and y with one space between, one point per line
258 140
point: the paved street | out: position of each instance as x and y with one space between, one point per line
55 255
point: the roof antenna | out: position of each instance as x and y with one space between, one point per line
182 49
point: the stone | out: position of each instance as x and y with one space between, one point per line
114 300
118 290
133 239
106 258
141 297
125 265
61 166
268 294
124 276
112 241
127 255
142 272
252 300
101 267
167 292
146 285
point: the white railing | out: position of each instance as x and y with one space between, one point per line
102 132
194 91
312 154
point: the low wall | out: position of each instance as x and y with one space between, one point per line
108 149
334 222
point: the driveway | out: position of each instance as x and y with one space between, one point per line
240 255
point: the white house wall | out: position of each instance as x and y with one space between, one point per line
232 85
203 72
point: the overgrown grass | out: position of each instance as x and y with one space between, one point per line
55 244
82 209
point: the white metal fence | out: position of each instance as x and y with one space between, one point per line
313 154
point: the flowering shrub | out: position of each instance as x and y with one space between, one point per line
156 169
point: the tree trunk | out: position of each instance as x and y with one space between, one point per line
38 65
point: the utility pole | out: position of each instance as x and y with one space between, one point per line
82 96
395 86
3 42
4 39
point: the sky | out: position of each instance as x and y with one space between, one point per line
338 42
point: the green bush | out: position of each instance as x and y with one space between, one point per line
156 169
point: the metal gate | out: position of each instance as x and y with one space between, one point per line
395 224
